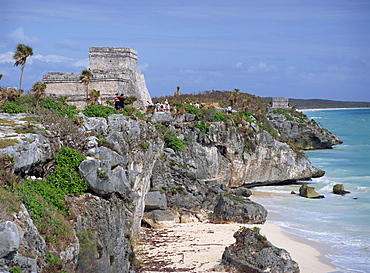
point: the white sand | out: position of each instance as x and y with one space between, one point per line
198 247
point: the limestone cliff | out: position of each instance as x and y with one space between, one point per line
126 158
305 134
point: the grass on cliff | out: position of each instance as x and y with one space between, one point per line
44 199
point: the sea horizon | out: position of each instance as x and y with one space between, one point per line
342 222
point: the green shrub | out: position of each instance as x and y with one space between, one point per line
194 110
281 111
14 269
219 116
203 127
172 141
12 107
65 175
99 111
30 104
49 222
178 189
51 259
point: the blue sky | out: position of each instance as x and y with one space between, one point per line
296 49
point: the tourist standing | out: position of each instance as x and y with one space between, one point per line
116 102
122 100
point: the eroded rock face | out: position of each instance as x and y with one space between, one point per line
252 253
9 238
156 200
306 136
222 159
132 159
19 238
102 226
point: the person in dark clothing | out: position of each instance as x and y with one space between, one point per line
122 101
116 102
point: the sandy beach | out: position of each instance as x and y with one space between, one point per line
198 247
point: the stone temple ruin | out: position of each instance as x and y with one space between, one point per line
113 69
280 102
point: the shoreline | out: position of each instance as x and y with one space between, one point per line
198 247
318 250
322 109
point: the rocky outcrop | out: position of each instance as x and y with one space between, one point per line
224 158
339 189
102 226
155 200
159 218
306 134
129 170
252 253
21 244
309 192
233 209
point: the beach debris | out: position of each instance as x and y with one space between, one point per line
309 192
339 189
252 252
292 192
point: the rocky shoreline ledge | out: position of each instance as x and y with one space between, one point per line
171 169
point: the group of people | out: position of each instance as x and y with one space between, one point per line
196 104
163 107
119 101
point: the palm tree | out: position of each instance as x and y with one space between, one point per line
39 89
21 54
177 92
85 78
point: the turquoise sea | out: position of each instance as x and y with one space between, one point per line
343 222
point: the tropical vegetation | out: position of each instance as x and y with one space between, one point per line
21 54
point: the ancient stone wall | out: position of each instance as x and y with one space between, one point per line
113 71
112 58
280 102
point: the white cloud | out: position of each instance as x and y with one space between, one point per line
143 67
50 58
18 36
239 65
82 63
6 57
261 67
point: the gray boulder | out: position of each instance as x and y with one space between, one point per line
105 182
159 218
155 200
309 192
253 253
233 209
241 191
9 238
162 117
32 152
